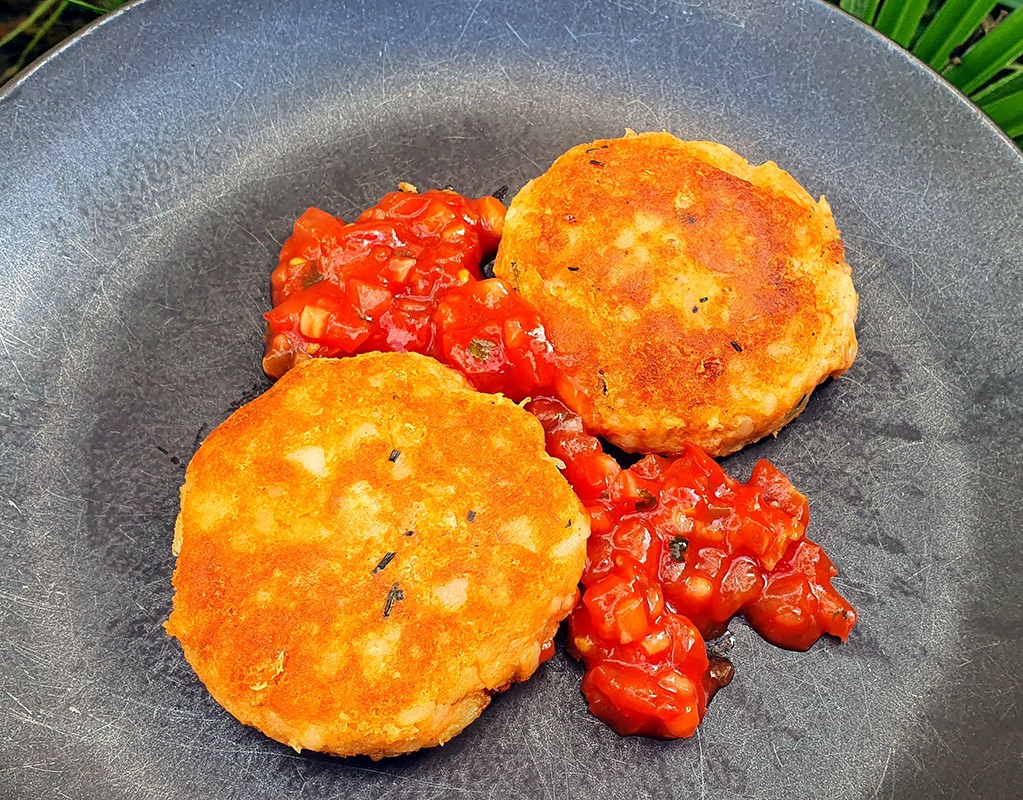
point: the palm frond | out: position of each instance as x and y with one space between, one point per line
899 20
975 44
951 26
992 54
864 10
1007 113
46 24
996 90
28 23
100 6
41 31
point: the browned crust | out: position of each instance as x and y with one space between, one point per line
278 606
702 298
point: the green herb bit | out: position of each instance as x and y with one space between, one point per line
646 500
480 349
311 278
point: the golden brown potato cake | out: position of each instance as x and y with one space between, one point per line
370 550
703 298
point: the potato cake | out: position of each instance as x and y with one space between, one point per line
702 298
370 550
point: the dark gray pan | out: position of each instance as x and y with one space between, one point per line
150 171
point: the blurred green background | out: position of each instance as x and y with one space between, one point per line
976 44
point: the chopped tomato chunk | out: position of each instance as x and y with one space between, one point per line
712 546
379 279
719 547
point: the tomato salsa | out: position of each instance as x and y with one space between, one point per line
678 547
405 276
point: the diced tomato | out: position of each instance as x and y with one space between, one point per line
370 298
714 548
657 685
391 268
315 233
799 604
496 340
587 467
618 606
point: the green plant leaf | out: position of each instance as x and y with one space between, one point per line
990 55
1013 82
26 24
1007 113
950 27
40 33
861 9
90 7
899 19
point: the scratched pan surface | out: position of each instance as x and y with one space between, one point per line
150 171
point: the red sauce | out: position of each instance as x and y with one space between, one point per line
678 547
374 284
498 342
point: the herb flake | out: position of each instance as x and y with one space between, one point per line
480 349
470 517
646 500
677 549
394 456
382 565
395 595
736 346
311 277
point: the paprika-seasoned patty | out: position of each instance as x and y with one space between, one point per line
702 298
370 550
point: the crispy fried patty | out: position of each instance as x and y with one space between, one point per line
370 550
702 298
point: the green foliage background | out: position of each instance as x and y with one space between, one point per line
975 44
